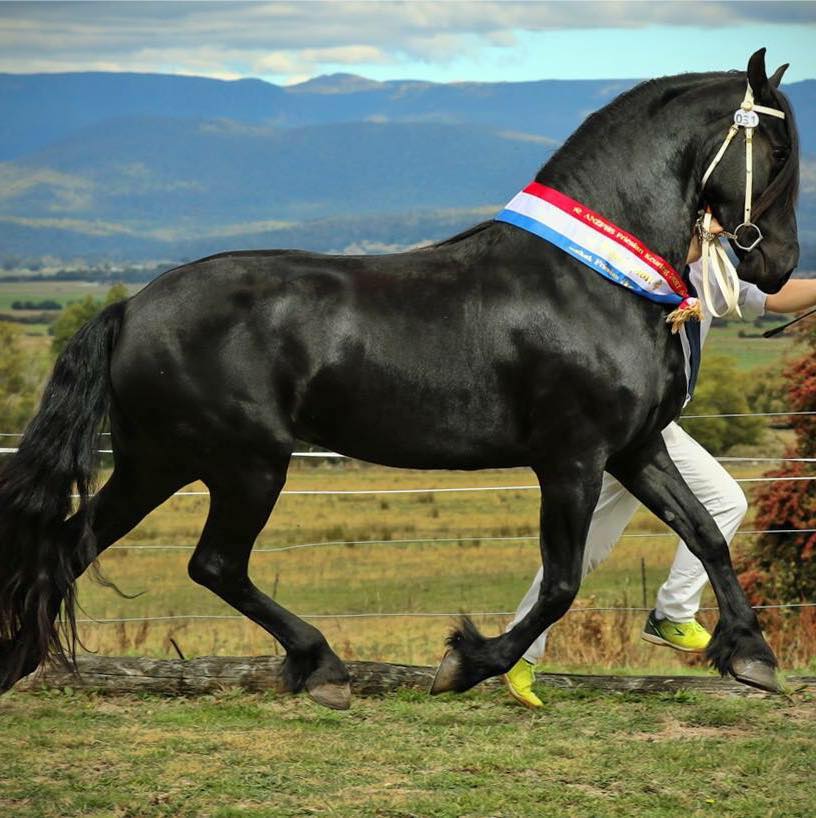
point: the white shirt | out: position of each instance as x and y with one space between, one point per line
751 299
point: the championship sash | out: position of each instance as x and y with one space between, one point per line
615 254
602 246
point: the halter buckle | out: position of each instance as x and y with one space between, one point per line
754 243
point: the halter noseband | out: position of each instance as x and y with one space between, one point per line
746 116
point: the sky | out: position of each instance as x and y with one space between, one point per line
288 42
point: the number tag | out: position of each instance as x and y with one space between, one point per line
746 119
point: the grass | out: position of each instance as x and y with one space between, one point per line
470 573
748 353
67 754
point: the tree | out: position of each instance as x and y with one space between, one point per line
80 312
722 389
18 381
782 567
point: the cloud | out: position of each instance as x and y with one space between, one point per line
229 39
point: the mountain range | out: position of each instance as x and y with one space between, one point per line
130 167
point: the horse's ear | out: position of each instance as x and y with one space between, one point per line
757 77
778 74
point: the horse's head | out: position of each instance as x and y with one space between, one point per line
773 164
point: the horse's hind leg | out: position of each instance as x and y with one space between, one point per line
738 646
568 498
240 505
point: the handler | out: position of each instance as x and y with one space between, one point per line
672 622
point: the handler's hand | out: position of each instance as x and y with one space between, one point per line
695 250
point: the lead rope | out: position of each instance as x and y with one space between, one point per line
716 260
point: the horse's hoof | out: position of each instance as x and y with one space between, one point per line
756 673
446 674
337 696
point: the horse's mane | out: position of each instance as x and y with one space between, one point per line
786 182
662 89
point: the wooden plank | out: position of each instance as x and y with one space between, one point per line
208 674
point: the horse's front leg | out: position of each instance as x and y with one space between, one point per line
568 498
738 646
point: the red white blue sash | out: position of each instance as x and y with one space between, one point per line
595 241
611 251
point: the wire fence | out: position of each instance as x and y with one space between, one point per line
452 540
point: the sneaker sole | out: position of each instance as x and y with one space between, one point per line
519 699
660 641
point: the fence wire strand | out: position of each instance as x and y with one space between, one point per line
412 614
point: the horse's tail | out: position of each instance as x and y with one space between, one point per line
40 556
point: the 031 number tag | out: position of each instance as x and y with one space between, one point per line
746 119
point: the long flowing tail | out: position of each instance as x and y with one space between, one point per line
56 461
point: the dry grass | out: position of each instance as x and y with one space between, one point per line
469 573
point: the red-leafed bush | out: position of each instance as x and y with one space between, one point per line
782 567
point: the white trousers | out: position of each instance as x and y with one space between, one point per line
679 597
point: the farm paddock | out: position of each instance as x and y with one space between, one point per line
69 753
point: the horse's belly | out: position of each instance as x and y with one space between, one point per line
427 423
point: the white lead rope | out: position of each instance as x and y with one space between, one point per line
715 259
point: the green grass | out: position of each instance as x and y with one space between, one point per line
253 755
749 353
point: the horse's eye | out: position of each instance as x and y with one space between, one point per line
779 154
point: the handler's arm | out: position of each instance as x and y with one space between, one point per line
798 294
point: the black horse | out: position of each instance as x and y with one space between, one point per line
491 349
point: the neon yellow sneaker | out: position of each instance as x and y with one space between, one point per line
690 637
519 680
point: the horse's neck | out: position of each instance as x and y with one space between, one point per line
639 171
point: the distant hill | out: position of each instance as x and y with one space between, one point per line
135 166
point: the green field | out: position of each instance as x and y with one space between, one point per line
748 352
240 755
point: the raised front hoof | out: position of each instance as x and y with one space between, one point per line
334 695
756 673
448 675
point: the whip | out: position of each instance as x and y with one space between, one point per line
769 333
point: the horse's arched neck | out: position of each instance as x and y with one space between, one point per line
638 169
